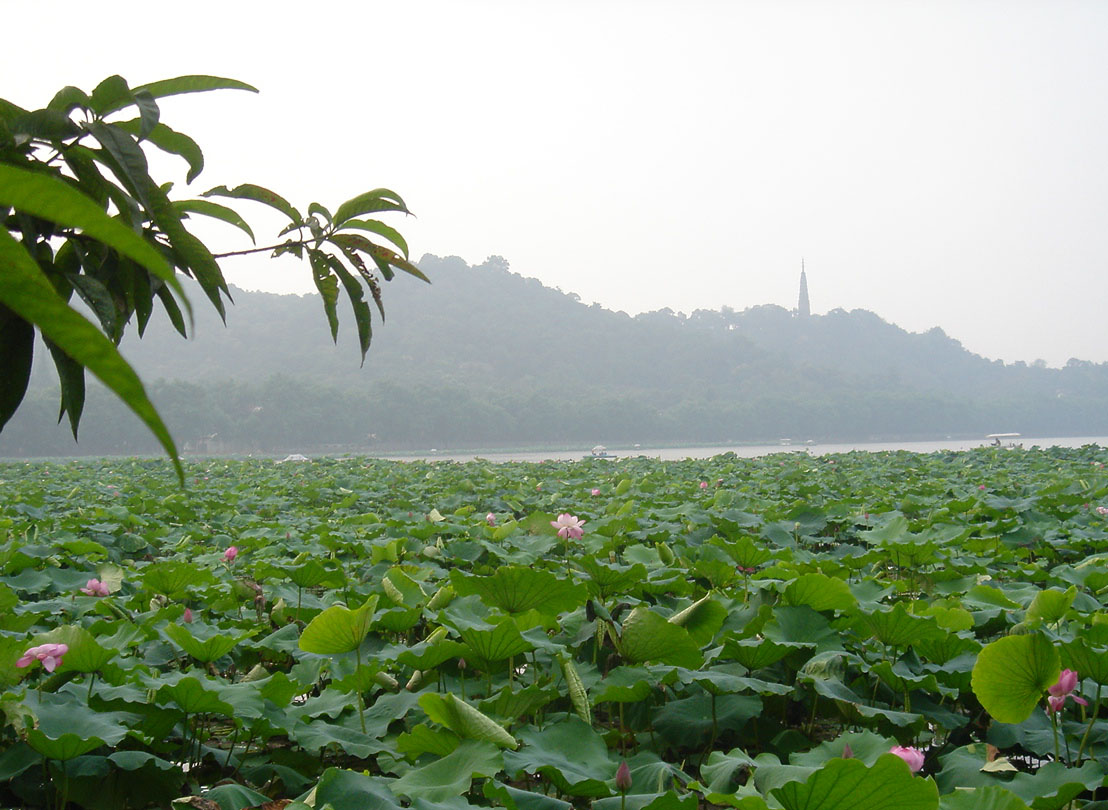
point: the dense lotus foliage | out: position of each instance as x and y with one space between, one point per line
869 631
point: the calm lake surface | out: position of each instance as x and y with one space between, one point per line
752 451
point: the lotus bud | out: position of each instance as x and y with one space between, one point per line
623 777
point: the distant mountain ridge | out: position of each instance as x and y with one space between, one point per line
484 357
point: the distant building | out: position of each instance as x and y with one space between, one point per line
803 308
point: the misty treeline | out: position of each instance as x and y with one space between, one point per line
485 358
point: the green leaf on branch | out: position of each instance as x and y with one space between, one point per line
328 285
249 191
57 201
381 229
380 199
216 211
27 292
17 347
110 95
171 141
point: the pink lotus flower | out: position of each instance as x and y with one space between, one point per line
188 615
230 554
623 777
1067 682
703 484
49 654
912 756
595 492
569 526
1102 510
490 519
95 588
981 486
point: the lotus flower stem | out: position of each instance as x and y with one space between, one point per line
361 703
1088 730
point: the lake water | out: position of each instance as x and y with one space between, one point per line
751 451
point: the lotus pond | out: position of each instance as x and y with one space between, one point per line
871 631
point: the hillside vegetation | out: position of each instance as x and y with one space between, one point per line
486 358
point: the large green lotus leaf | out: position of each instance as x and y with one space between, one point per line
570 754
233 797
16 759
497 643
724 773
85 653
313 573
464 720
202 642
646 636
1012 674
172 578
755 653
338 629
398 619
687 722
986 596
509 705
858 710
744 552
964 767
719 681
669 800
515 589
1054 786
605 578
894 532
425 655
451 775
411 593
993 797
245 698
1050 606
1086 660
948 618
425 740
847 784
65 712
943 650
626 685
820 592
802 625
65 747
702 619
386 710
319 734
192 695
515 799
351 790
865 746
898 628
331 702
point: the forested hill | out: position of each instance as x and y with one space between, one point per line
486 358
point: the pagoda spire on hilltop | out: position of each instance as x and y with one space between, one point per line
803 308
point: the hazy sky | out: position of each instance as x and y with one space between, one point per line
940 163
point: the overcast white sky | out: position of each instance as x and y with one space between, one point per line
939 163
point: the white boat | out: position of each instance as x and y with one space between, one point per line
1003 440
